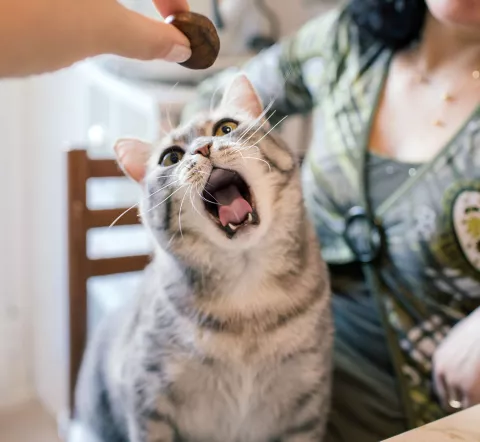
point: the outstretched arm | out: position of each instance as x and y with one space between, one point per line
38 36
457 365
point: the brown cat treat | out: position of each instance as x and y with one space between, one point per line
202 35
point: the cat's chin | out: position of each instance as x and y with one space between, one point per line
230 203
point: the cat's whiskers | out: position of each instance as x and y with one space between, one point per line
137 204
257 120
265 121
251 135
191 175
225 151
253 158
167 176
243 147
171 240
208 201
273 127
258 159
193 202
159 190
115 221
237 151
163 201
158 177
267 108
180 212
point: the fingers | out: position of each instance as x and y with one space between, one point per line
136 36
167 7
440 388
452 397
455 399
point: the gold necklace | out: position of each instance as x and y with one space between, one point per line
447 97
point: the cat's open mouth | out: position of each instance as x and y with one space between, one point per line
229 201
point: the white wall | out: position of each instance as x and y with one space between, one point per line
16 383
58 121
38 119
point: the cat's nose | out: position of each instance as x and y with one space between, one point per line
204 150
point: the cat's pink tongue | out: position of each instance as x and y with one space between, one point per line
233 207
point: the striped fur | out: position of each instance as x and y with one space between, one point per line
229 339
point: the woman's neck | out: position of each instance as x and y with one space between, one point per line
444 46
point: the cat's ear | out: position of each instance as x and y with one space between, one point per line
241 94
132 156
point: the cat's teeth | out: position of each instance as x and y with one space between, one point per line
250 217
233 226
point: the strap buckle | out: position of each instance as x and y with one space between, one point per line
363 236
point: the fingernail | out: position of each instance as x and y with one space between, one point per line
179 54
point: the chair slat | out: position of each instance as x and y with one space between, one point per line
123 264
104 218
80 219
104 169
77 172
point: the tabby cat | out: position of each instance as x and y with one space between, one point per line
230 338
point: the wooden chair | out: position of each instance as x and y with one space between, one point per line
80 267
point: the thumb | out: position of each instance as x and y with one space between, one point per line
136 36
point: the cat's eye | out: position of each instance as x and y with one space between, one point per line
224 128
171 156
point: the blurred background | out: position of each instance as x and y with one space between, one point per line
88 107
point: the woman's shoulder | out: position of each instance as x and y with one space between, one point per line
332 52
333 35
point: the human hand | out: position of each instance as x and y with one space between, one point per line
133 35
45 35
456 365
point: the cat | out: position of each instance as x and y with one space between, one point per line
230 337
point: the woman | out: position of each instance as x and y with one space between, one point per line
44 35
392 182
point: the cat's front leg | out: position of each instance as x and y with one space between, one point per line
309 418
151 427
311 432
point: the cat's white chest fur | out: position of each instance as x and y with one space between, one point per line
243 388
225 404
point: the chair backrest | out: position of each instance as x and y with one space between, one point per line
80 267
